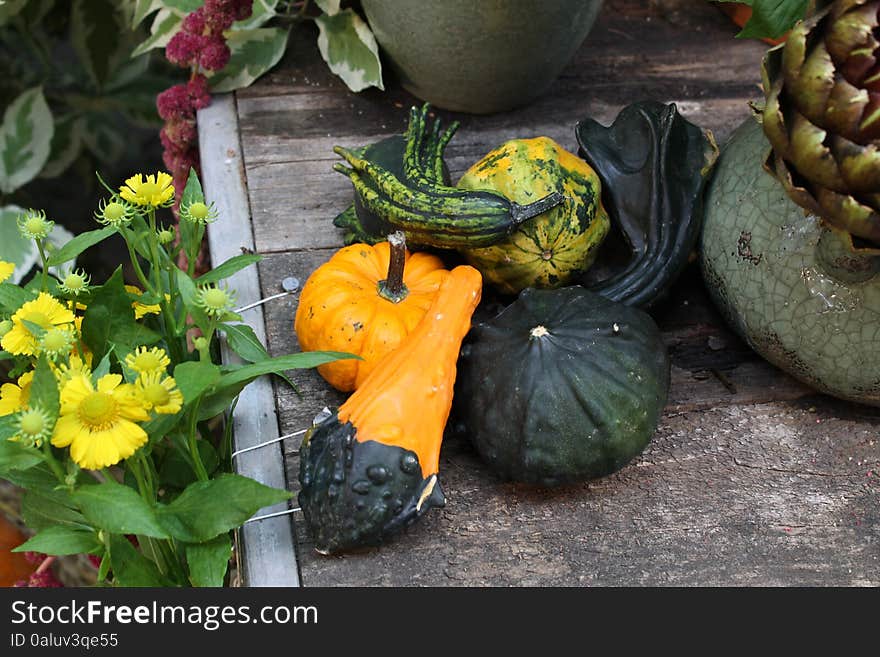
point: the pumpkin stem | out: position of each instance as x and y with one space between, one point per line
520 213
393 288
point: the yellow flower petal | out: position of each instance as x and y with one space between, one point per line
45 311
96 421
67 429
108 382
6 269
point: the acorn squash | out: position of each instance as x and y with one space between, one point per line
561 386
370 469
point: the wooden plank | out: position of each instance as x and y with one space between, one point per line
762 495
291 121
268 555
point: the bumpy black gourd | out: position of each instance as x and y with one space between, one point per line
563 385
356 494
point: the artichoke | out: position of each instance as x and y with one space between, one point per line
822 114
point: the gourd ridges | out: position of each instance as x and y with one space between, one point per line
356 493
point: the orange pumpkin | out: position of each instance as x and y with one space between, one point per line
13 565
365 300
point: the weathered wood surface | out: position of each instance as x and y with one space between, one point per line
265 542
751 478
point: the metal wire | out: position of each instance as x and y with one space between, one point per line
268 442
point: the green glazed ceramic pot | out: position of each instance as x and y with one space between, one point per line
798 292
479 56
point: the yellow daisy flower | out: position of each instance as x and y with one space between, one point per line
141 309
156 191
44 311
159 392
75 366
145 360
15 398
6 269
98 422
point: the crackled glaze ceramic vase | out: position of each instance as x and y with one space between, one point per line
479 56
799 293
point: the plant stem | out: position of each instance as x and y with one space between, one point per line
393 287
192 440
53 463
45 268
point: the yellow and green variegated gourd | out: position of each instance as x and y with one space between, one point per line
549 249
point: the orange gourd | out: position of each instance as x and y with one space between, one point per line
371 467
364 301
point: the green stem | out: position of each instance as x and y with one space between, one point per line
45 262
134 261
53 463
192 440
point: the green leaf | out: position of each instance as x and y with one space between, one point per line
228 268
130 567
14 455
190 233
142 9
183 6
253 53
78 244
103 136
60 540
329 7
243 341
209 508
164 26
305 360
194 378
192 193
160 425
12 297
109 320
44 507
44 389
350 50
25 139
177 471
10 9
100 38
66 146
773 18
188 292
13 247
118 509
263 12
209 561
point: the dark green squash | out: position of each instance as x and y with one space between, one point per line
561 386
653 165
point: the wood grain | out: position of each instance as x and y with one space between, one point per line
751 479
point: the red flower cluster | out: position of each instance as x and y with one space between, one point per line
43 577
199 46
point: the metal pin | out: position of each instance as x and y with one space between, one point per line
260 302
268 442
289 285
274 515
